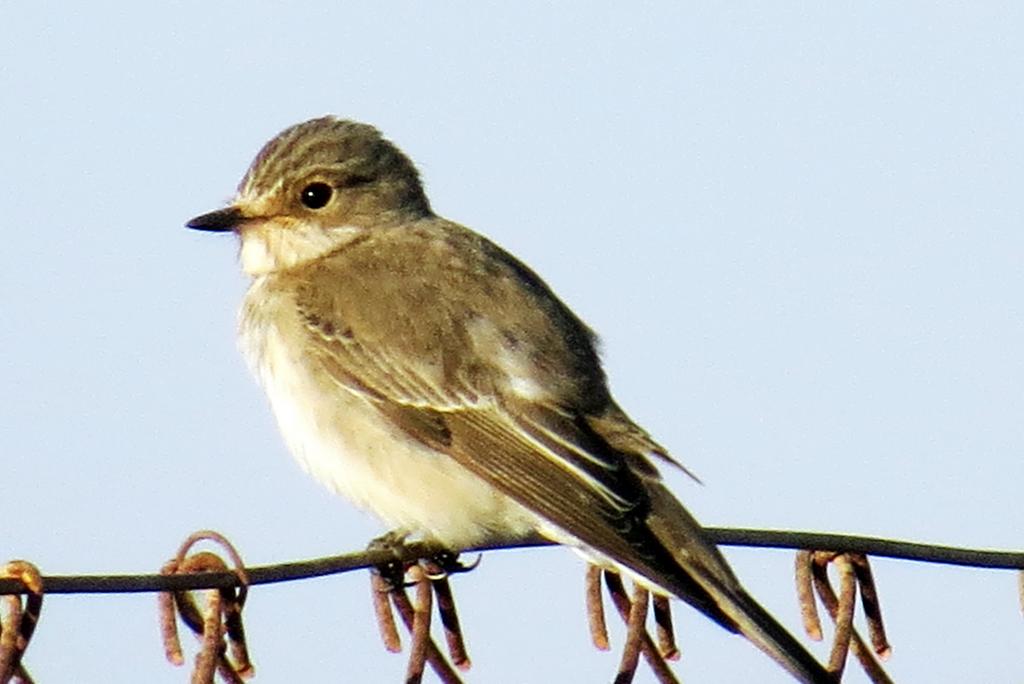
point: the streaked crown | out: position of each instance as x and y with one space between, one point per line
345 156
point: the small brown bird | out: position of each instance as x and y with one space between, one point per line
426 374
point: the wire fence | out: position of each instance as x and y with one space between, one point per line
217 622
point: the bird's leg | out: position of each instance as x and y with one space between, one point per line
393 541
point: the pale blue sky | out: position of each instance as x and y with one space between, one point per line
797 229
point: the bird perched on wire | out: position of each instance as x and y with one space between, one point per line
432 378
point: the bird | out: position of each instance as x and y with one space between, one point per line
426 374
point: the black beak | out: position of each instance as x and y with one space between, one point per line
220 221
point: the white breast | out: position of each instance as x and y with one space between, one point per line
339 437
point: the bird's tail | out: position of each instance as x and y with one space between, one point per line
757 625
703 564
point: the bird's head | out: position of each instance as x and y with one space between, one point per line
313 188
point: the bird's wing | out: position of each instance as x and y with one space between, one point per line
547 459
555 465
583 470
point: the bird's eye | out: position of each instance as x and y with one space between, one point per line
316 195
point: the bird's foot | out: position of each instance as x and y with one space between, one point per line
444 563
392 572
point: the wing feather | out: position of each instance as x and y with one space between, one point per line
561 448
548 459
532 470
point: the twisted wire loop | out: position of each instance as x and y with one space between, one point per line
854 573
633 612
1020 589
217 623
18 620
226 589
429 577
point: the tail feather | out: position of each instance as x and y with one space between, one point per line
757 625
703 564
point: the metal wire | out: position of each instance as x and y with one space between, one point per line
332 565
